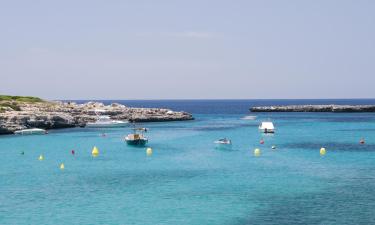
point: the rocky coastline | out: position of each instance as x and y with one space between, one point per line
316 108
54 115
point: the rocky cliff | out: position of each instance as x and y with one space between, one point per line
53 115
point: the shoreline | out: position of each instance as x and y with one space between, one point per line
19 115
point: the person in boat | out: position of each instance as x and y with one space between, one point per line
224 141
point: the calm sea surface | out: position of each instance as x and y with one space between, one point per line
189 180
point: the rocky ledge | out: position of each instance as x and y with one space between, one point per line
53 115
315 108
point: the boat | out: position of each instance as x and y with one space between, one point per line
267 127
223 141
31 131
106 121
137 138
249 117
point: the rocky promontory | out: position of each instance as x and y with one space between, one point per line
315 108
17 115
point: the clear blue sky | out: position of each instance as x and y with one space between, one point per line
93 49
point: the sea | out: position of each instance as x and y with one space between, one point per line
189 179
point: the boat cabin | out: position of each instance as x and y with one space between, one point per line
267 127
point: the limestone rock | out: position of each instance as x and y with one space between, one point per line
54 115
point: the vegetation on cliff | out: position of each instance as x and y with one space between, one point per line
8 101
19 98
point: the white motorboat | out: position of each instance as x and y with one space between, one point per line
267 127
106 121
223 141
31 131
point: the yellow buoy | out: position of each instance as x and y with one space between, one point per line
257 152
322 151
41 157
62 166
149 151
95 151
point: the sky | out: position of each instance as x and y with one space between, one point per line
191 49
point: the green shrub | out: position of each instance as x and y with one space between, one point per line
20 98
12 105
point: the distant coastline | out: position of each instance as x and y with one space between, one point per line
316 108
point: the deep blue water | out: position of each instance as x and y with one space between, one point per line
190 180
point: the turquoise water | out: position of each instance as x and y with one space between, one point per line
188 180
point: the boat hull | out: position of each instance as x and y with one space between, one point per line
266 131
139 142
30 132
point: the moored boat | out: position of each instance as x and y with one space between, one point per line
137 138
249 117
31 131
106 121
267 127
223 141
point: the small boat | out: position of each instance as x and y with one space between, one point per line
31 131
106 121
137 139
223 141
249 118
267 127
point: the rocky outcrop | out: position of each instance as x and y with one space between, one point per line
315 108
54 115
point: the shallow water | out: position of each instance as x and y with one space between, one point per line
188 180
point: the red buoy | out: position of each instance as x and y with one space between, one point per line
362 141
261 141
73 152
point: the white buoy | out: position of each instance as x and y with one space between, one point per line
273 147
